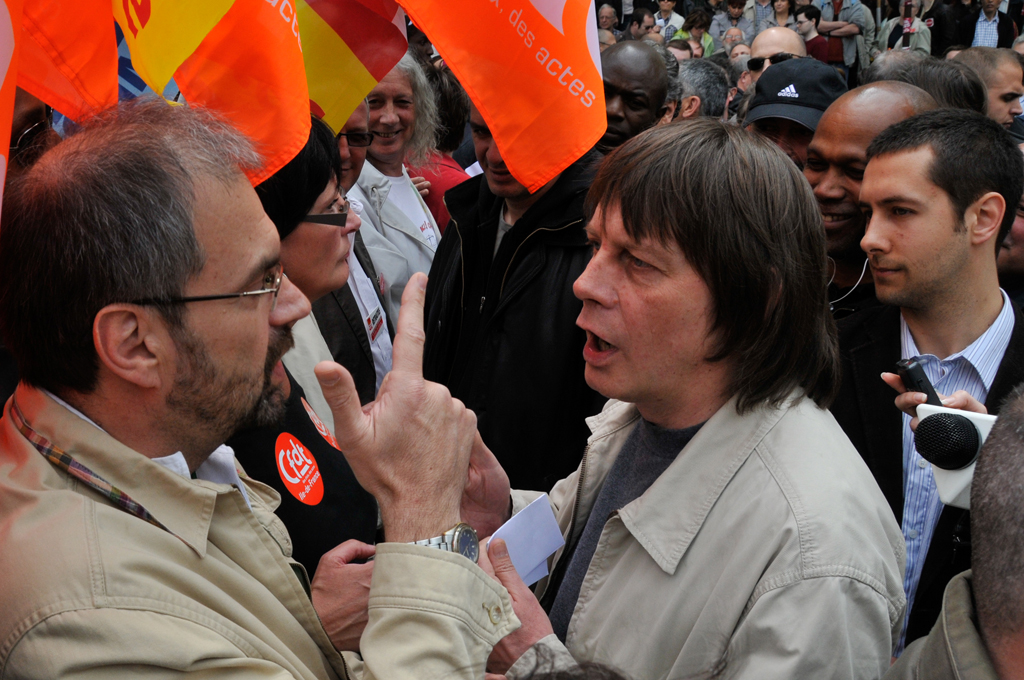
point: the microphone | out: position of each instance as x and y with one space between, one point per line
950 440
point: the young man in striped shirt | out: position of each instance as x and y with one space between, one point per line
939 191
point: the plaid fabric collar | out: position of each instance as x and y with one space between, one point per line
65 462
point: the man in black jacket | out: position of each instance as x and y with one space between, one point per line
501 314
941 189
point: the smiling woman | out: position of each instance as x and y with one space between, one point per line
400 233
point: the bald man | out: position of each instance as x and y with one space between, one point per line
836 158
635 88
771 42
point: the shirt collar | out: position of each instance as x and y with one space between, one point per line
984 354
982 17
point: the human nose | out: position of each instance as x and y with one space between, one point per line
593 285
291 305
874 240
1015 108
829 187
387 114
346 155
613 108
352 222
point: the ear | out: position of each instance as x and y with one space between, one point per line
133 343
690 108
984 217
670 113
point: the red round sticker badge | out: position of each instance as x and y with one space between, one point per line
319 424
298 470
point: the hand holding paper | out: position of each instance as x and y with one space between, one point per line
532 536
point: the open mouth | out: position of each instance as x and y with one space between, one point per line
386 135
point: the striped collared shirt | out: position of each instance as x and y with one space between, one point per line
761 12
972 370
986 33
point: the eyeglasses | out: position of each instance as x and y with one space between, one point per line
271 284
757 63
29 144
356 139
335 219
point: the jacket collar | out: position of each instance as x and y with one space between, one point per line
693 482
371 178
184 506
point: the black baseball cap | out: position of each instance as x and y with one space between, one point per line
796 89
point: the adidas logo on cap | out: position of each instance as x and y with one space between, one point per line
789 91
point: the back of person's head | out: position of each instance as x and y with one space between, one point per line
720 58
746 221
424 133
891 65
953 84
706 80
679 44
997 542
811 12
675 89
986 60
106 216
698 19
639 15
289 194
737 68
973 155
452 108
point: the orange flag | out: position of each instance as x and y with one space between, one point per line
10 25
348 46
249 69
532 68
67 55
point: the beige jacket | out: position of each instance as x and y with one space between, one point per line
90 591
765 549
954 649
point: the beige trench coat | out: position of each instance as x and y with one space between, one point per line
765 550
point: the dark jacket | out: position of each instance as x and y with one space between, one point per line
344 330
1006 29
954 650
869 343
941 21
502 334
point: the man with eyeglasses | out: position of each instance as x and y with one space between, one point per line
773 46
144 300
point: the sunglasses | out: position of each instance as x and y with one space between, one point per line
356 139
334 219
757 63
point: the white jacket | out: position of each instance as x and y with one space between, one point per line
397 248
765 548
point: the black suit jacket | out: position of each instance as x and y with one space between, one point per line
869 343
1006 29
344 330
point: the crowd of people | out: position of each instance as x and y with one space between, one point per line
265 431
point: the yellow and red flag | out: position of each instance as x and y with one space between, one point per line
348 47
249 69
532 68
162 34
67 55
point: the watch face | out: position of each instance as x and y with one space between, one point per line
466 542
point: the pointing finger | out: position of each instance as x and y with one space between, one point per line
407 351
343 399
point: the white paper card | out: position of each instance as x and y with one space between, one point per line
532 536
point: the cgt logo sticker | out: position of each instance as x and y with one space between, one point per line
298 470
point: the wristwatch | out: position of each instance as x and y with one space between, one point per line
461 539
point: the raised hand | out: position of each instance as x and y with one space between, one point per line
411 447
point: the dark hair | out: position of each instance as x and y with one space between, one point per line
290 193
746 220
973 155
736 3
452 108
953 85
997 515
986 60
639 14
679 44
811 12
708 81
791 4
953 48
892 65
698 18
106 216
